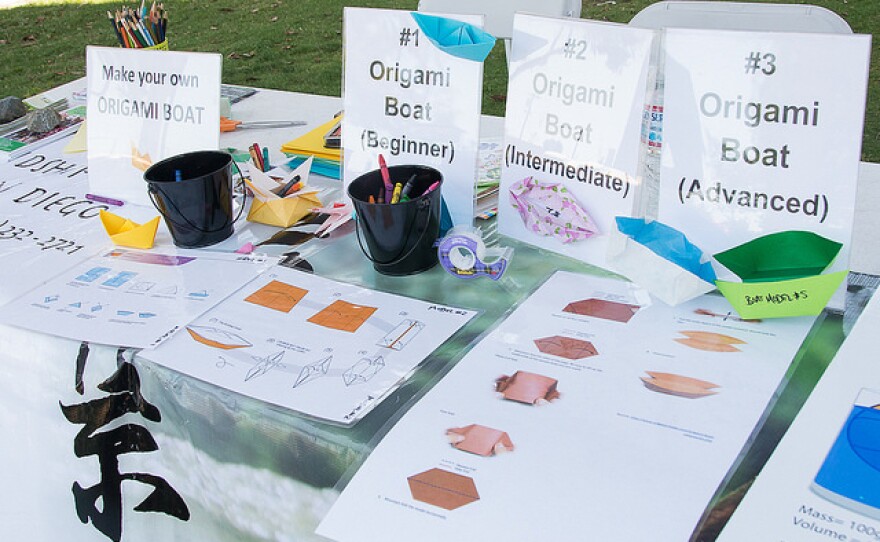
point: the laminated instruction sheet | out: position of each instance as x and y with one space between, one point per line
327 349
588 414
131 298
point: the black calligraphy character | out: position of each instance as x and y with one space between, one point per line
124 387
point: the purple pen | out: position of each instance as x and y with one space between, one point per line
102 199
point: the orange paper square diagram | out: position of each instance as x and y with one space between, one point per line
343 316
278 296
602 308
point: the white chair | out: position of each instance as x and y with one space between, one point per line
499 13
741 16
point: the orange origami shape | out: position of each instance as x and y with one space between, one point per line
529 388
140 161
343 316
217 338
710 341
278 296
566 347
681 386
480 440
443 488
602 308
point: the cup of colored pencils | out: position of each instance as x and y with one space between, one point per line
141 28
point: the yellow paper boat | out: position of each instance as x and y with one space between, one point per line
124 232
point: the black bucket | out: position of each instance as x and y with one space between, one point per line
193 193
400 236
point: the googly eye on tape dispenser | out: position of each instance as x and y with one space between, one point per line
464 255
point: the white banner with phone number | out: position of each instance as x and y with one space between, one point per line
46 222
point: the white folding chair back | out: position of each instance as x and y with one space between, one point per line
741 16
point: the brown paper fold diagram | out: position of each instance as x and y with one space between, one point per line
278 296
479 439
217 338
343 316
681 386
529 388
443 488
566 347
602 308
710 341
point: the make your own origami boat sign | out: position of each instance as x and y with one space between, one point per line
549 209
781 275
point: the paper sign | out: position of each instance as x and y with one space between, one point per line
760 136
145 106
413 101
574 109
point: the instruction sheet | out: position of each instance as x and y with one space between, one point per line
131 298
589 413
324 348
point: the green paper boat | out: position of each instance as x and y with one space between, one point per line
781 275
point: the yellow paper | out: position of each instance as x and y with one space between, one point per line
312 143
283 212
805 296
78 142
124 232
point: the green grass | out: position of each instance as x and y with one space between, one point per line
292 44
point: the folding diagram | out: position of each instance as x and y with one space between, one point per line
529 388
566 347
278 296
343 316
217 338
602 308
401 335
313 371
443 488
264 365
710 341
479 439
678 385
363 370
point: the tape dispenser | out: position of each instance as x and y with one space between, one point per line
464 255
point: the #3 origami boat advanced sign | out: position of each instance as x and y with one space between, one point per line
781 275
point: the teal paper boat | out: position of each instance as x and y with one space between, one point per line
455 37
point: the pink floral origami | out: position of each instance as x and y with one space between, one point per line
549 209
